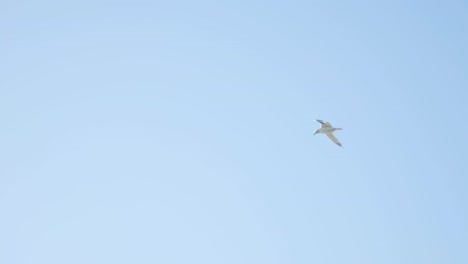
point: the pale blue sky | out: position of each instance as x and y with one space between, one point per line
182 132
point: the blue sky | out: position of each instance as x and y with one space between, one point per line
182 132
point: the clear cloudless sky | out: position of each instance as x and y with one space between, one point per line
182 132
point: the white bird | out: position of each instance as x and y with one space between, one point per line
327 129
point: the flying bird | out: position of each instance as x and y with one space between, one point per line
327 129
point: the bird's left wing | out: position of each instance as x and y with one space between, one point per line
333 138
324 123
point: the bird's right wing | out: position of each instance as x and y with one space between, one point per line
333 138
324 123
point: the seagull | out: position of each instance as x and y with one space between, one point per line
327 129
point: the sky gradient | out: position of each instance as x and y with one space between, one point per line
182 132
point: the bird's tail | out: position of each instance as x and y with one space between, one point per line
338 129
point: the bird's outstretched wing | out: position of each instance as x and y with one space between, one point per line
333 138
324 123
